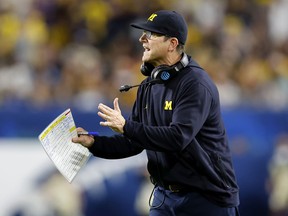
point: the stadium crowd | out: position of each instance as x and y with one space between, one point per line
79 52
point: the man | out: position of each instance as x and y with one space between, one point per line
176 118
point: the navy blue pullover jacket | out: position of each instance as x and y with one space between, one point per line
179 124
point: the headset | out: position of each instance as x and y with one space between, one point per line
160 73
164 72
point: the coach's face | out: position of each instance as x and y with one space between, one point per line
155 48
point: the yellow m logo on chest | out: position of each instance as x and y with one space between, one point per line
168 105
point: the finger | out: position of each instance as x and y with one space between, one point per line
107 124
79 129
84 140
79 139
105 109
103 116
116 105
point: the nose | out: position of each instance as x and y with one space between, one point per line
142 38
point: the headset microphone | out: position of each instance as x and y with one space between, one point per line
128 87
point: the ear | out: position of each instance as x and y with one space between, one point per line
173 44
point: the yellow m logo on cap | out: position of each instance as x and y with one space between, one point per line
168 105
151 18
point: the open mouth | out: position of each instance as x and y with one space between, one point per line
146 49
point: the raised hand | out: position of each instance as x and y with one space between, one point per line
113 117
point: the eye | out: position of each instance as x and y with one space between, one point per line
148 34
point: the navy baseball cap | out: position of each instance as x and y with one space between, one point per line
165 22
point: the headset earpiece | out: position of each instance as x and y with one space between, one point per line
146 69
164 72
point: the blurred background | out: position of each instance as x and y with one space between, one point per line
59 54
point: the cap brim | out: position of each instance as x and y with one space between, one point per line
144 26
138 25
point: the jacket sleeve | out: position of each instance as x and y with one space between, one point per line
192 106
114 147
